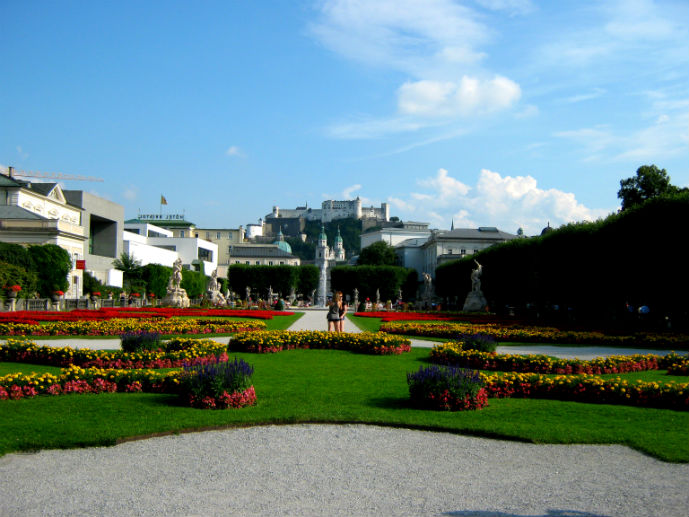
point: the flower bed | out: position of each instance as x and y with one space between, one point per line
449 389
76 379
592 389
529 334
183 352
104 314
113 327
679 367
195 385
453 354
278 340
218 385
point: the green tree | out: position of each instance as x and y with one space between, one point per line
649 182
132 271
52 264
11 274
377 254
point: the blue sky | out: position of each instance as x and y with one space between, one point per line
507 113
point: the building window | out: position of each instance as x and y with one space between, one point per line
258 262
181 233
475 250
208 236
282 262
217 235
247 262
462 251
270 262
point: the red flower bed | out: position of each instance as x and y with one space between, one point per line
34 317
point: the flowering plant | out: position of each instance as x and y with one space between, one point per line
450 389
151 295
59 293
15 288
221 385
136 295
95 293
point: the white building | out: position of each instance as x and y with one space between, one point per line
443 246
424 250
88 227
152 244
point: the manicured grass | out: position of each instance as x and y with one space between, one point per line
336 386
26 368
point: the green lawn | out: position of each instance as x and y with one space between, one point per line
336 386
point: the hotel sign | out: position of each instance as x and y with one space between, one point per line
161 217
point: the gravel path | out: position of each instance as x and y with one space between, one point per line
340 470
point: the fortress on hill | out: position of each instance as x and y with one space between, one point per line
331 210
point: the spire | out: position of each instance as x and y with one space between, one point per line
453 224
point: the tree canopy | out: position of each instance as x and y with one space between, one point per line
377 254
649 182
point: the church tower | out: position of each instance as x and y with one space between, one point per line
339 247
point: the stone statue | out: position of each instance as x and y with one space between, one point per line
175 280
427 286
213 293
377 297
476 277
248 293
270 293
356 299
176 296
213 283
475 300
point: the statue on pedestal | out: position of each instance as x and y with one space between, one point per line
213 293
475 301
176 296
356 299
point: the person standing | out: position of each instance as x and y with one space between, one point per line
334 313
343 311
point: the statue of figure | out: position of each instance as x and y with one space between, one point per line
270 293
399 294
377 296
176 278
213 283
356 293
176 296
427 285
248 293
476 277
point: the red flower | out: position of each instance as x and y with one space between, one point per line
95 294
59 293
15 288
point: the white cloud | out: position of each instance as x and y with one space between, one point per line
511 6
508 202
469 96
234 151
435 42
348 192
131 193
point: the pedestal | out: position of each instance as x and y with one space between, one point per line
176 298
475 302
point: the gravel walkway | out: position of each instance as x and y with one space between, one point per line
340 470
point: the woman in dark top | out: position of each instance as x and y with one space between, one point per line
334 313
343 311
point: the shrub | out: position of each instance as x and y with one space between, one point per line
139 341
480 342
218 385
450 389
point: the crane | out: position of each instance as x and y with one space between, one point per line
12 172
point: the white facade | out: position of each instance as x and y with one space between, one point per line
392 236
164 250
